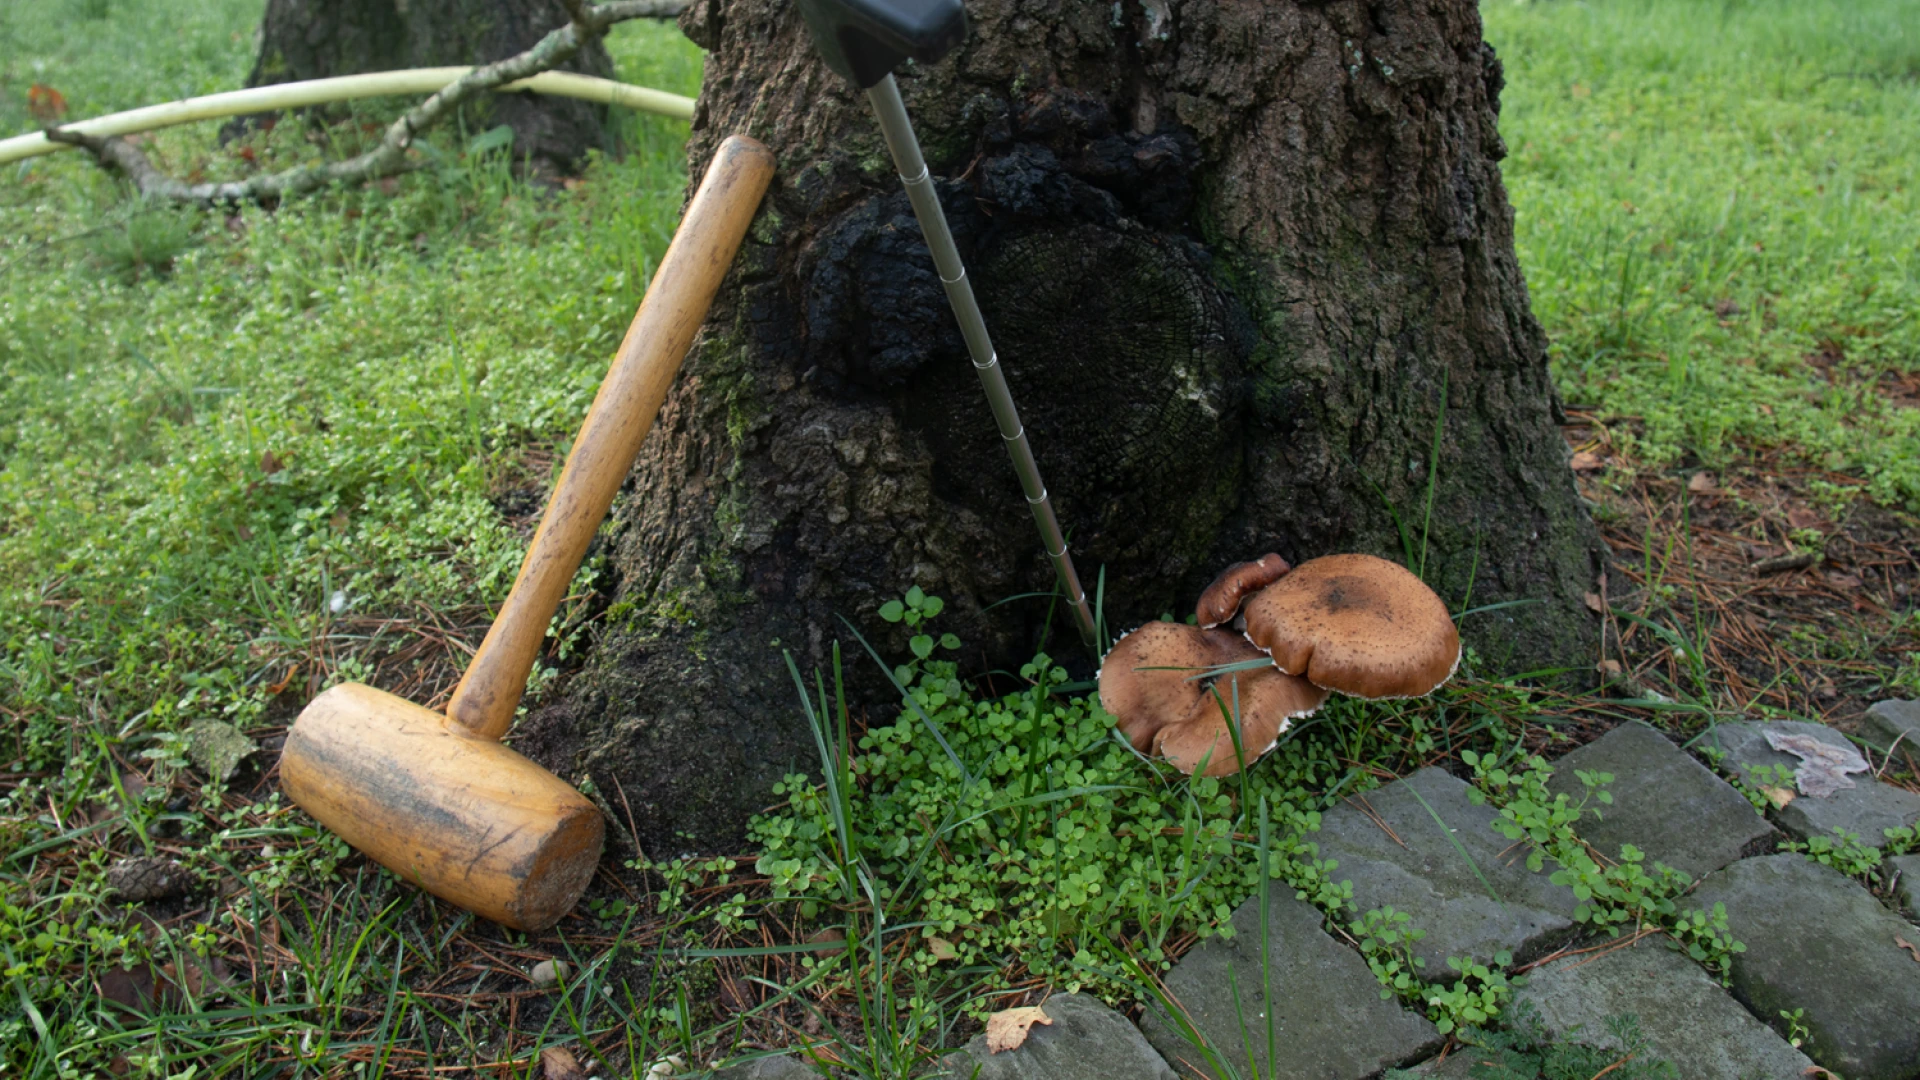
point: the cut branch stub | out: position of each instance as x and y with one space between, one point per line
1221 600
1163 686
1357 624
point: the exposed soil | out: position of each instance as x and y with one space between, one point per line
1708 555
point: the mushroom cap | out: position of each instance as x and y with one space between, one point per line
1357 624
1269 700
1221 600
1143 699
1148 683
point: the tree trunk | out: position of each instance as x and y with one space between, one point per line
1242 259
316 39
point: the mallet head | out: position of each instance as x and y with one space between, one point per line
863 40
464 818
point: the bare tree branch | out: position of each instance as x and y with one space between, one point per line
577 11
622 10
586 22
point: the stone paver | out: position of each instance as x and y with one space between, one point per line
1417 869
1664 803
1818 941
1685 1015
1906 885
1086 1041
1329 1021
1457 1065
1815 940
1893 725
770 1068
1866 809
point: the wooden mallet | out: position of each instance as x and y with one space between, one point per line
437 799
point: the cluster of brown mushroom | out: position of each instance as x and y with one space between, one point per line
1353 623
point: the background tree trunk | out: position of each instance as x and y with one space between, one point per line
1241 258
315 39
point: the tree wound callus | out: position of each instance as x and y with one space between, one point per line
1126 352
1305 202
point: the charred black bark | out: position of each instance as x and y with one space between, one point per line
1242 259
317 39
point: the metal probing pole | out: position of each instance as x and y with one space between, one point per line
892 114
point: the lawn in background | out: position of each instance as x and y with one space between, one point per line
1718 218
244 456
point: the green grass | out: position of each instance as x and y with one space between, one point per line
209 450
232 449
104 55
241 458
1709 193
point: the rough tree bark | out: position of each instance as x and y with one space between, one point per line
1242 259
316 39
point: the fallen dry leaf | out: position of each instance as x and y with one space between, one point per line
1909 946
1802 518
819 1053
830 940
1701 481
133 990
1778 796
144 987
1824 765
1007 1029
1595 604
558 1063
942 949
48 106
1588 461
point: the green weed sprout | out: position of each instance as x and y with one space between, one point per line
1612 895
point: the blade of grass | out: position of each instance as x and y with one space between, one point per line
1484 608
938 735
1406 539
830 775
1458 847
1433 469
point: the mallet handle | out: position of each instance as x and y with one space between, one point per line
675 305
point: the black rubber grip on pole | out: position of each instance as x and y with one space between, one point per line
864 40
